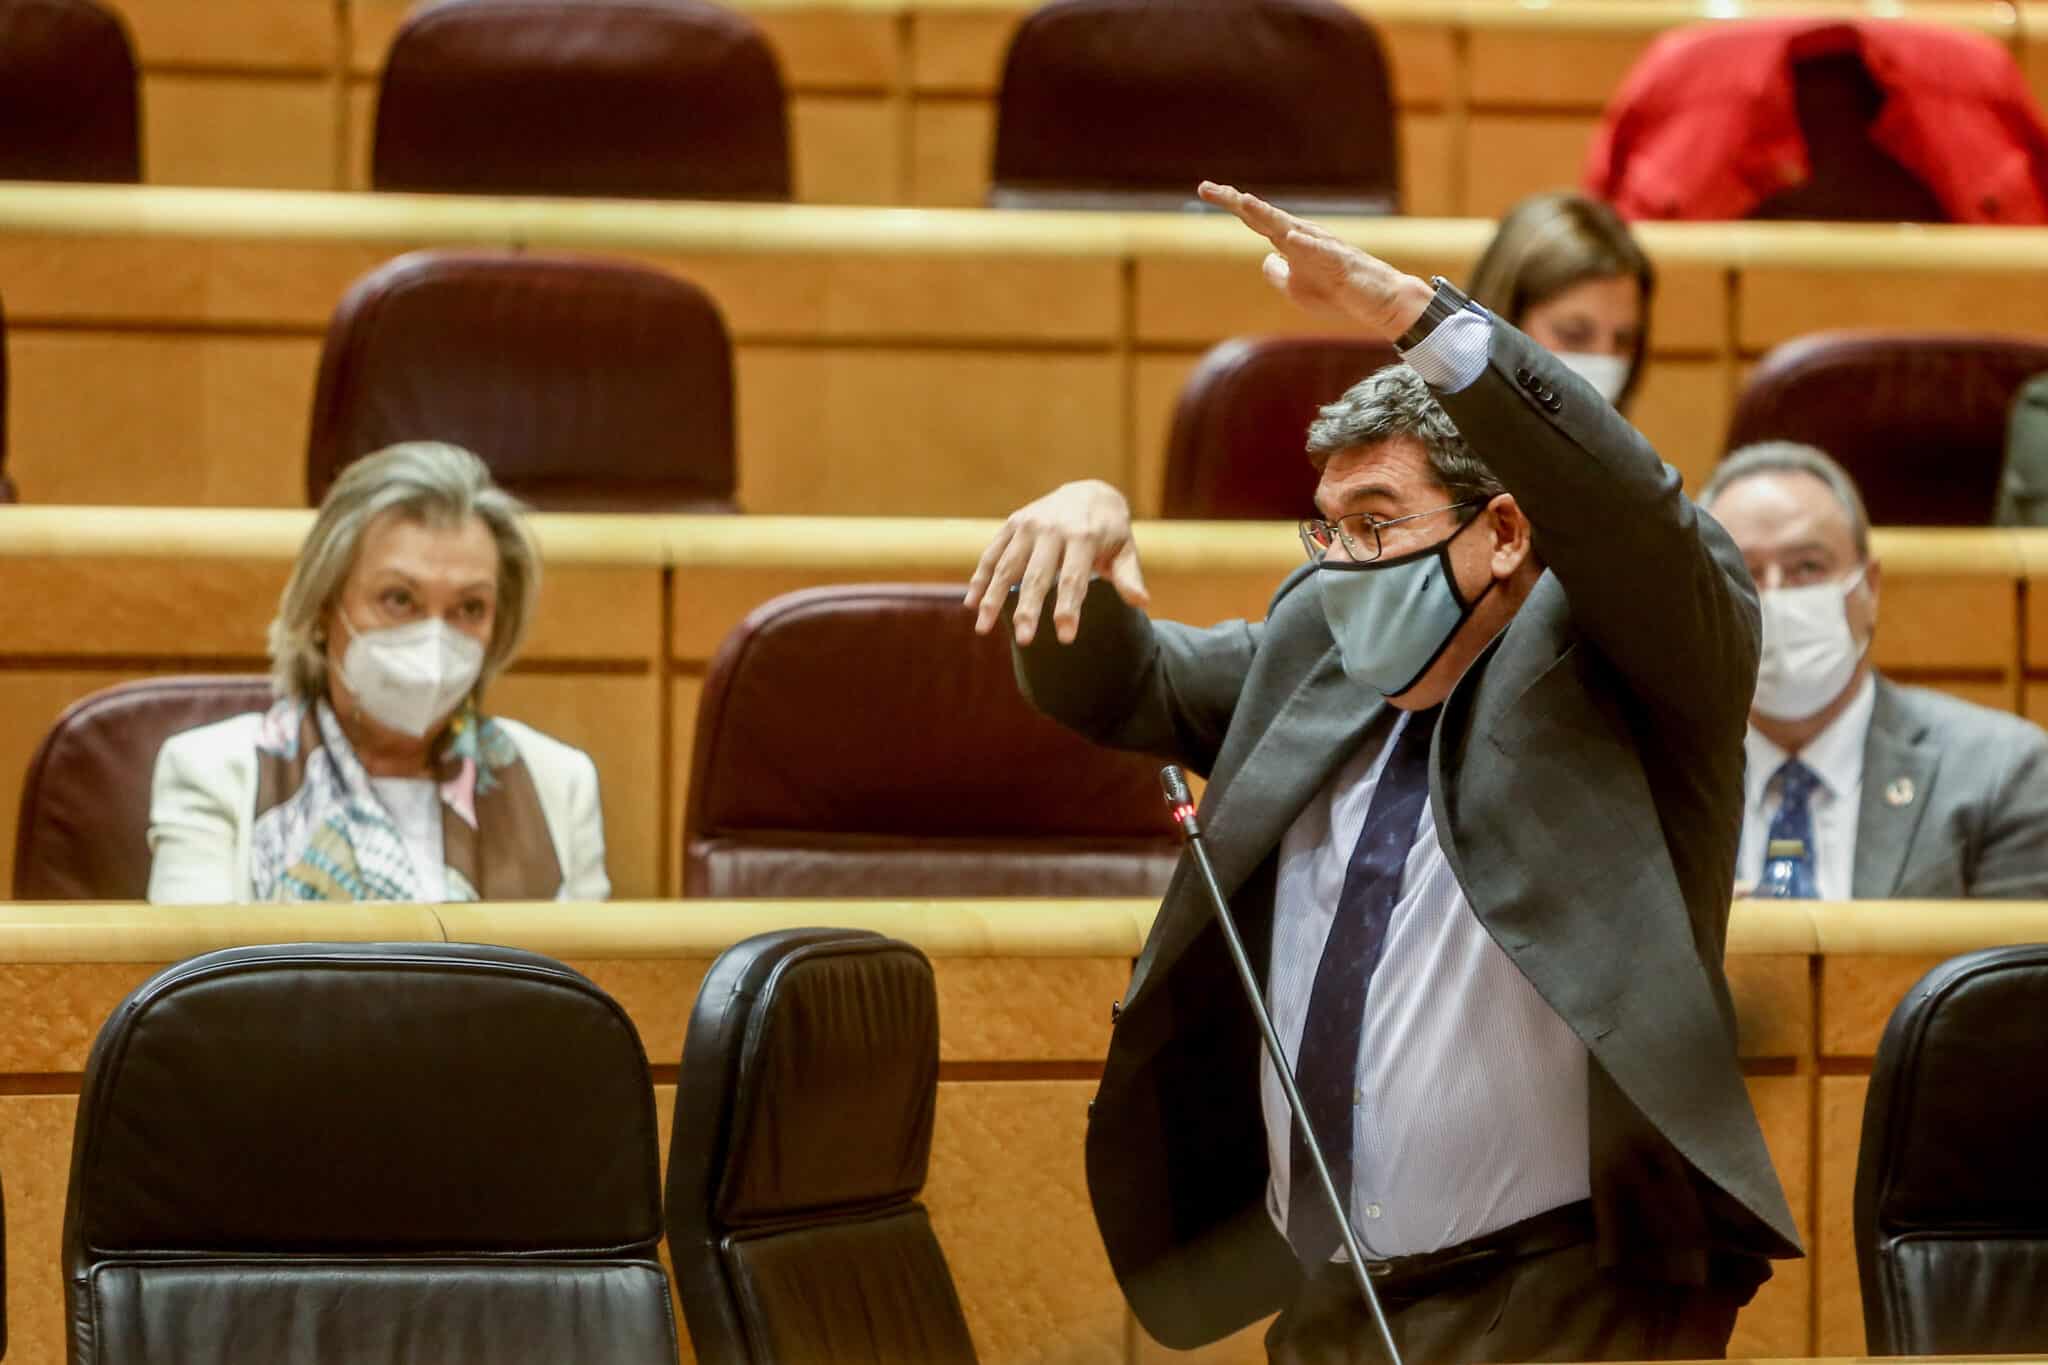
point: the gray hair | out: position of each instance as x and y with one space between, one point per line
431 482
1394 402
1792 457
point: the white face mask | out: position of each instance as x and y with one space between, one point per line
409 678
1809 651
1608 374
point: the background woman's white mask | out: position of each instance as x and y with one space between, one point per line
1608 374
1809 651
411 677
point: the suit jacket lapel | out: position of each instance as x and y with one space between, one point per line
1898 776
1248 806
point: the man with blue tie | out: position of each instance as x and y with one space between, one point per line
1474 792
1858 787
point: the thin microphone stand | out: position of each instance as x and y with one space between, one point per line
1175 784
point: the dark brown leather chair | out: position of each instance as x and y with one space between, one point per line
1131 103
803 1131
863 741
82 834
585 384
68 103
311 1153
1919 418
651 99
1237 449
1951 1211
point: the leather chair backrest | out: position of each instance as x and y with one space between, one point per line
1951 1211
1237 449
863 741
1918 418
1131 103
83 831
803 1132
68 102
309 1153
654 99
1850 178
585 384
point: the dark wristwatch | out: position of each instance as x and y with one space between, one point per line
1447 300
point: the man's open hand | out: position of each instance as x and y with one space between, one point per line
1075 531
1323 273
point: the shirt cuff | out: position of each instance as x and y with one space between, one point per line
1451 357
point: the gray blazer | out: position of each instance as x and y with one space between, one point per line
1586 782
1955 801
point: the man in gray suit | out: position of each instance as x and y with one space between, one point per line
1474 790
1889 792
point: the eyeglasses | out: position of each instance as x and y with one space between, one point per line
1360 531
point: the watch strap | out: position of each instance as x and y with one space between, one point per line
1445 302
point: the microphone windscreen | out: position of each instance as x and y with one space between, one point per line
1174 783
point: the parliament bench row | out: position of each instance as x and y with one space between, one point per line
164 344
634 610
1023 998
893 103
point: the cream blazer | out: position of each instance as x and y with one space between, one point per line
202 804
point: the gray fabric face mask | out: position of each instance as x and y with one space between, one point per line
1392 618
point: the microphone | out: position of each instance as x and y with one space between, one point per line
1180 800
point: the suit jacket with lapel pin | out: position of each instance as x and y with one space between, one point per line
1586 783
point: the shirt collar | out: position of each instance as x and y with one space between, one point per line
1835 754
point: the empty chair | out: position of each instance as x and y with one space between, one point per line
661 99
863 741
1131 103
1951 1211
1818 117
585 384
83 831
310 1153
1238 446
68 102
1918 418
803 1131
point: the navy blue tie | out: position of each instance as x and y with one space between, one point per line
1326 1064
1794 823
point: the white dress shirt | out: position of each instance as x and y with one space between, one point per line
1470 1111
1836 757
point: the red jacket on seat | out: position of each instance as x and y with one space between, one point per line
1706 125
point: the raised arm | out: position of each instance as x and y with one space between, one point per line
1654 583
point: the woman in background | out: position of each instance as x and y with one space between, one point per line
1565 270
374 776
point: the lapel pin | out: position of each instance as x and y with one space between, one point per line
1899 791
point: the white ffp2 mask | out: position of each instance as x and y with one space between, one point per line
1608 374
410 677
1809 652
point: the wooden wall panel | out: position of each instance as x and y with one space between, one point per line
1680 407
846 150
35 1154
962 431
1937 622
265 283
1549 68
1775 1325
1429 166
1156 384
1509 156
952 143
1009 1202
360 113
824 47
1838 1297
264 35
159 420
960 52
1777 304
254 131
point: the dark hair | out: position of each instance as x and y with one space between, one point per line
1394 402
1549 242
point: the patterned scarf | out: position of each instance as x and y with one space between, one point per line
321 834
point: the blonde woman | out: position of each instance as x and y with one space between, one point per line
374 775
